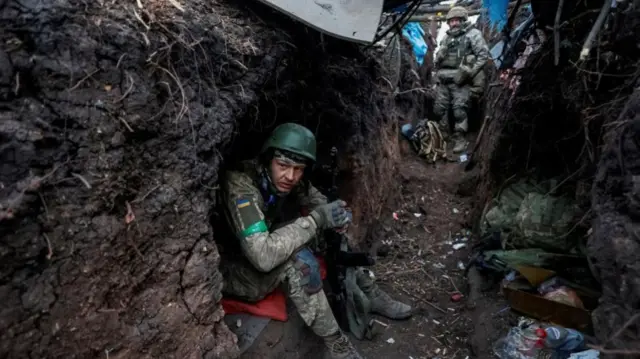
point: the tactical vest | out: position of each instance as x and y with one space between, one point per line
456 49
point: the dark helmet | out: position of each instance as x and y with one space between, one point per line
293 138
458 12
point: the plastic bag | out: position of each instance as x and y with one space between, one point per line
521 342
566 296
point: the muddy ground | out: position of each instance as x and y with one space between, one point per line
417 263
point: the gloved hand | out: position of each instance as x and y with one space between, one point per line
463 75
331 215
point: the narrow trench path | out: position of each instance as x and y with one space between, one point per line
420 265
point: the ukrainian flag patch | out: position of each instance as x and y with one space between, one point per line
242 203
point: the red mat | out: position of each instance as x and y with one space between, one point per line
273 306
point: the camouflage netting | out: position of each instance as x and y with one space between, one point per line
115 119
578 122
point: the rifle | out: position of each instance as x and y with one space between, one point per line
338 258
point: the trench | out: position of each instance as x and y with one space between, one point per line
116 121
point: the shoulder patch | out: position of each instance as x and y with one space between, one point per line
250 216
242 203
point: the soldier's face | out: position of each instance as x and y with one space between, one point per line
455 22
285 175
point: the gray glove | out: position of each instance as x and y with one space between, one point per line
331 215
463 75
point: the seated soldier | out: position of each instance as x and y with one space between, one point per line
262 202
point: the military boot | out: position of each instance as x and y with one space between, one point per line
459 143
339 347
381 302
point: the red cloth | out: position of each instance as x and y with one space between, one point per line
273 306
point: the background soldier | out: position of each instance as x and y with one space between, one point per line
459 65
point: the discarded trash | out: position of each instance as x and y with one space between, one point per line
456 297
511 276
562 340
461 265
395 216
464 158
459 246
521 342
390 341
456 211
417 215
535 275
565 295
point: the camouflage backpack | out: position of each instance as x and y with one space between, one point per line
428 141
527 216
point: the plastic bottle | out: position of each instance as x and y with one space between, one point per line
562 340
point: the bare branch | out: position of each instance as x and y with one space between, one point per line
586 48
556 33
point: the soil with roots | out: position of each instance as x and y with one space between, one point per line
115 120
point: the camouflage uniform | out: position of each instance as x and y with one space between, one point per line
459 66
270 233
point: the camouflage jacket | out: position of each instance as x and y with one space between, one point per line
268 228
464 47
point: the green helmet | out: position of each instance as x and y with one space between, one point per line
457 12
293 138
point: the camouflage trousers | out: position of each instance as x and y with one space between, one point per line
457 98
248 284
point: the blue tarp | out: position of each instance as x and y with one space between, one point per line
413 32
496 12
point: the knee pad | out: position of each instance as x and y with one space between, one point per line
307 264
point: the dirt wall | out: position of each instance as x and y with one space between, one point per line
116 117
576 122
113 118
614 246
